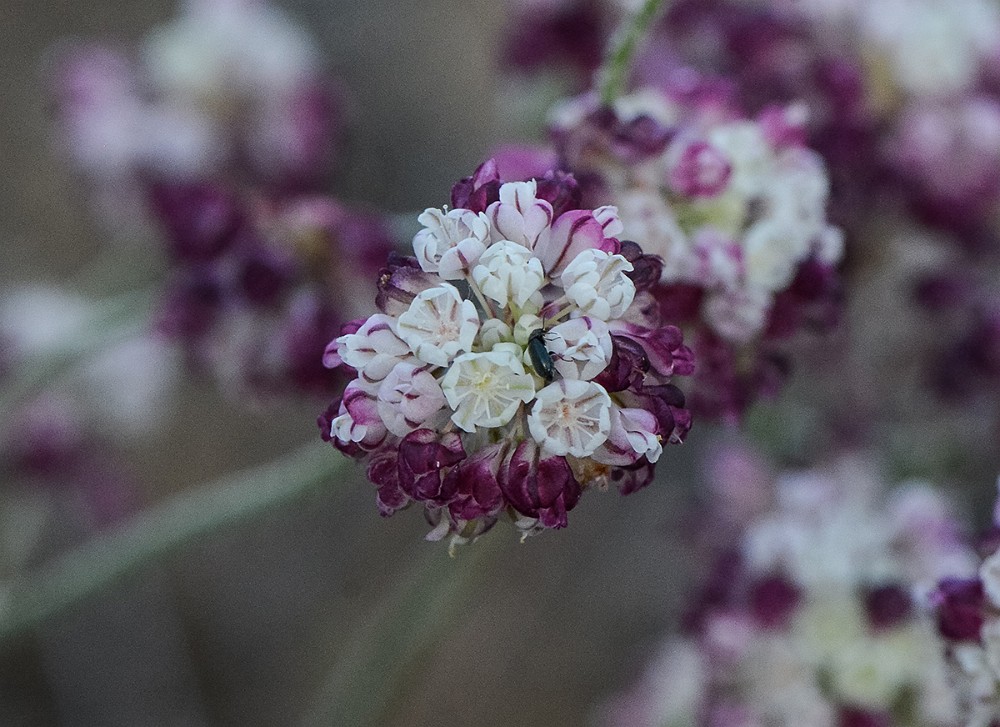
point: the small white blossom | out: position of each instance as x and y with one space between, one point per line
408 397
571 417
596 283
773 248
486 389
375 349
492 332
451 242
519 216
648 218
581 348
738 315
439 325
508 273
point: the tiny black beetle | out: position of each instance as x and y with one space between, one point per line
541 359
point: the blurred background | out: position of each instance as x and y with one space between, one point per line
301 614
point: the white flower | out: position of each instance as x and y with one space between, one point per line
989 573
571 417
439 325
450 243
508 273
597 284
773 249
486 389
408 397
631 437
375 349
648 218
519 216
738 315
581 348
608 218
492 332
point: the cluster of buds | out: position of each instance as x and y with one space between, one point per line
231 87
517 359
737 210
815 617
968 619
259 286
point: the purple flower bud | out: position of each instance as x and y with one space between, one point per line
383 472
561 190
541 488
646 269
191 306
263 275
664 348
634 477
479 191
560 34
201 220
399 282
888 605
773 600
959 603
784 126
44 438
476 484
424 456
859 717
698 169
627 367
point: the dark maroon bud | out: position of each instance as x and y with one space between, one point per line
399 282
383 472
309 325
888 605
640 138
633 477
561 190
561 34
627 367
959 603
201 220
264 275
646 269
424 458
773 600
541 488
859 717
191 305
479 191
476 485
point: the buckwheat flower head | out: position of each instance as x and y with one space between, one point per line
517 360
967 607
816 615
734 206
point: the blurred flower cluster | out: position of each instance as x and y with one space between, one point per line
816 612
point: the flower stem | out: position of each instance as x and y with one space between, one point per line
613 73
86 570
380 665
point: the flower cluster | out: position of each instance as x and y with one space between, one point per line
517 359
258 285
735 207
228 87
814 618
968 618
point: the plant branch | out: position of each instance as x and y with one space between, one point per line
72 577
613 74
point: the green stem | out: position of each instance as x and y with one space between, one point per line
159 531
614 72
379 665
